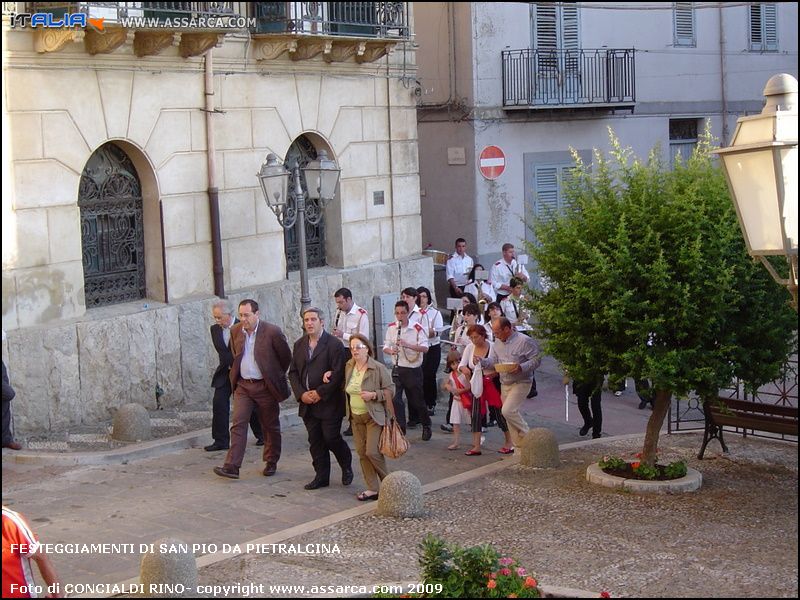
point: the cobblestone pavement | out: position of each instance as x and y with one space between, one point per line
175 495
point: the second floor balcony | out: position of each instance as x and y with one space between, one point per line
340 30
569 79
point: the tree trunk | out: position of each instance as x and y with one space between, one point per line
660 411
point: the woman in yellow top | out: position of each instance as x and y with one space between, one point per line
369 387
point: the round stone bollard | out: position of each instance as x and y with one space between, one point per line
401 496
540 449
169 570
131 424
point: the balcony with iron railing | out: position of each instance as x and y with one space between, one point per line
569 79
338 30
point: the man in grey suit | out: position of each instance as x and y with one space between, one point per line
261 356
221 380
316 375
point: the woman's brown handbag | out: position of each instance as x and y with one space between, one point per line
392 443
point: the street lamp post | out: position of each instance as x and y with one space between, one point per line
322 176
761 168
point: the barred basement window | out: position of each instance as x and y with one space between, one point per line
682 139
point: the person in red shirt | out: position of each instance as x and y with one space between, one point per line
20 545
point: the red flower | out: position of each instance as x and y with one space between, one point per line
635 465
530 582
638 455
505 571
491 584
605 594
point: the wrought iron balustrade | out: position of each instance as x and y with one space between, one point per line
148 13
354 19
569 78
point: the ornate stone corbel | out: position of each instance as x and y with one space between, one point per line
195 44
307 48
266 48
108 41
150 42
372 51
340 51
53 40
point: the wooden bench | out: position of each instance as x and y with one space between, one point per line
746 415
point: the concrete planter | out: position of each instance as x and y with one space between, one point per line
691 482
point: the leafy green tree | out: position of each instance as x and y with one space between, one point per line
651 279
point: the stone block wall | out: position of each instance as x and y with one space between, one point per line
77 372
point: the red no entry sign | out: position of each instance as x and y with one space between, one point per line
492 162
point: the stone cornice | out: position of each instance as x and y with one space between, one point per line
333 49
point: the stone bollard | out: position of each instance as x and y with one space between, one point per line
131 423
539 449
169 570
401 496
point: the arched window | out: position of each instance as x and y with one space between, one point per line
112 232
303 151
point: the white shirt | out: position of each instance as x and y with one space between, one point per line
486 288
431 318
411 334
415 316
513 310
458 268
356 320
249 368
502 272
469 352
460 338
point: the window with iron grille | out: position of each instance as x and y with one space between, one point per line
763 21
683 16
682 139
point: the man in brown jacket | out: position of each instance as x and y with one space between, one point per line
261 356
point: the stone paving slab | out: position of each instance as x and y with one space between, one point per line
146 491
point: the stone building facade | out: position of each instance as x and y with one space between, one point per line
123 112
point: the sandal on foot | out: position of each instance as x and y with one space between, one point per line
453 447
505 450
471 452
364 496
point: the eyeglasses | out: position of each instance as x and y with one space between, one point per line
358 347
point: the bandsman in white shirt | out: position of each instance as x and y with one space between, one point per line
407 344
512 306
349 318
433 324
409 296
457 269
504 269
482 290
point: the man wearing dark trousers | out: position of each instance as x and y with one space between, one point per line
261 356
221 381
407 344
316 375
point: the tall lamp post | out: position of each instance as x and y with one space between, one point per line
322 176
761 168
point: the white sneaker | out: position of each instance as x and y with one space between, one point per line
483 439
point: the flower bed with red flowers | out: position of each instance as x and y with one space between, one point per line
619 467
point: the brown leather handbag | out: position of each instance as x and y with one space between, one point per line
392 443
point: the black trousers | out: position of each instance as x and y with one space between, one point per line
325 436
430 365
586 392
220 426
409 380
8 437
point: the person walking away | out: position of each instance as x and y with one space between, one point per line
589 395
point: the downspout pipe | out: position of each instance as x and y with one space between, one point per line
722 76
213 191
